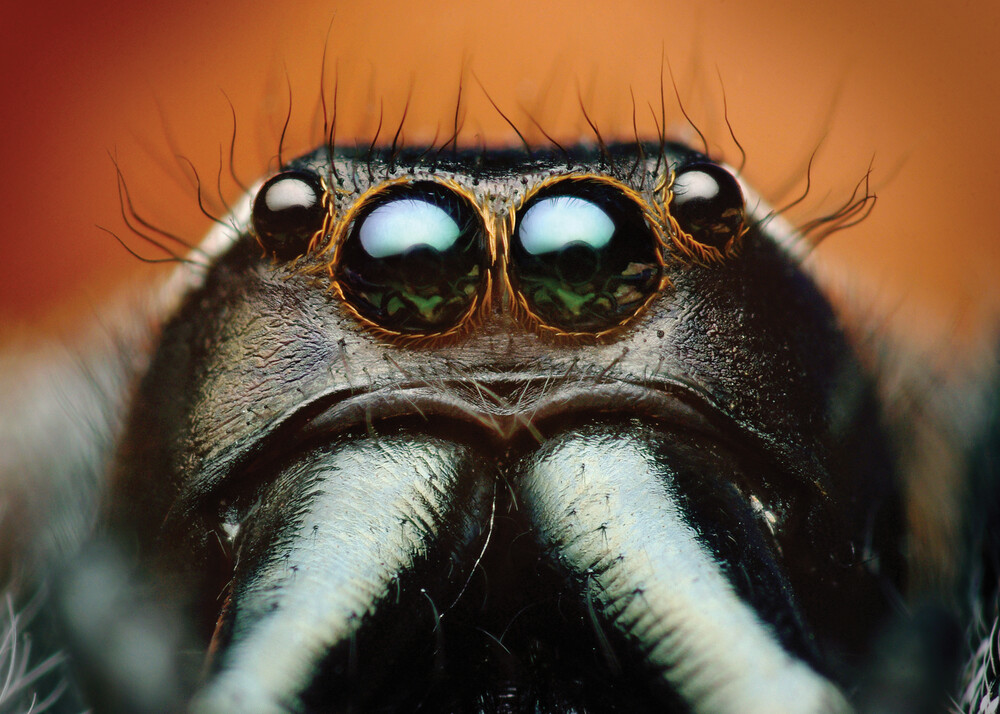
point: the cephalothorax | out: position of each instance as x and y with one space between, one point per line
488 431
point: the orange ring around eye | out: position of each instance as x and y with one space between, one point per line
522 305
340 234
692 249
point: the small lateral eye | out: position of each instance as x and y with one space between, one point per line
287 212
583 259
707 204
414 260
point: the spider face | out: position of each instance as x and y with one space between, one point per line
482 432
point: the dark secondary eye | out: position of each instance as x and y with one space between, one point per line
583 258
415 259
287 212
707 204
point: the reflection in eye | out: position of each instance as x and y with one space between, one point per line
287 211
414 260
583 258
407 224
555 223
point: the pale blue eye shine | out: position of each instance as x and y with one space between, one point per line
408 223
553 223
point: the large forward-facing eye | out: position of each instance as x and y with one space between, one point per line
707 204
583 257
415 259
287 212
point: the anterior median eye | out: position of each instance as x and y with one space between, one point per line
708 206
583 258
415 259
287 212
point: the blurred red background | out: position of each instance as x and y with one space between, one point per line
914 84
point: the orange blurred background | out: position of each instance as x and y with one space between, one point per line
914 84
